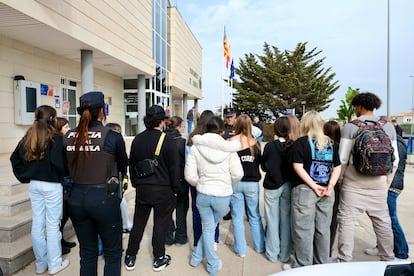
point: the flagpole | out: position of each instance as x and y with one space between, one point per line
221 82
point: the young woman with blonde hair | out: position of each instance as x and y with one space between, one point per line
316 162
247 190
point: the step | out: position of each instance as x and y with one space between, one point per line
7 189
14 227
19 253
16 255
14 204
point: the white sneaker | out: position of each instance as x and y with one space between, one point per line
63 265
401 260
286 267
372 251
39 271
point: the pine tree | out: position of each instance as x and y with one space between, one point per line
278 80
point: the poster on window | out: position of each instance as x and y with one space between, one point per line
65 106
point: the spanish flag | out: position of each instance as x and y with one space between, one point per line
226 48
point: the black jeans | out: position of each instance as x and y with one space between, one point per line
162 217
95 211
180 225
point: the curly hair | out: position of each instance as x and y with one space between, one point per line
368 100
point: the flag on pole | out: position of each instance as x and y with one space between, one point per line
231 70
226 47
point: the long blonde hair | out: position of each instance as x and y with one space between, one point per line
294 131
311 125
243 127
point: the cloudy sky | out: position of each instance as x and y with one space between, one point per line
352 35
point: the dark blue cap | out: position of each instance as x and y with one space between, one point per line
228 111
91 100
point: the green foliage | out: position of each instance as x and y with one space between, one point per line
346 110
278 80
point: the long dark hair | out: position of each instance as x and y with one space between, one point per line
40 133
200 128
215 125
332 129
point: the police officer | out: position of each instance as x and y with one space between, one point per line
229 117
96 156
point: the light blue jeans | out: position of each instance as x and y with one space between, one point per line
311 221
278 239
211 209
246 192
47 203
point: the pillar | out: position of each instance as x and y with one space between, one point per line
142 107
87 70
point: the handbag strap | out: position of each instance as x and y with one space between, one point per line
159 145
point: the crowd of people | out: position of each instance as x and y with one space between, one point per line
312 191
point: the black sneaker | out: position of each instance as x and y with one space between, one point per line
130 262
161 263
68 244
65 250
227 216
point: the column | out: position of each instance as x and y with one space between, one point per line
141 102
87 70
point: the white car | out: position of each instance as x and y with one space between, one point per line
390 268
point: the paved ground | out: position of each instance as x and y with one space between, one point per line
254 263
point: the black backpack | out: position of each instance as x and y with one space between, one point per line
372 153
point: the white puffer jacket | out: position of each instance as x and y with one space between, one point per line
213 165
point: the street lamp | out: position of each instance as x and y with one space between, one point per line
412 107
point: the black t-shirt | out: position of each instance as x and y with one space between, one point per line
250 163
301 153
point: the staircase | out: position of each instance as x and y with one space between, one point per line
16 221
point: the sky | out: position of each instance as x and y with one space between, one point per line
352 35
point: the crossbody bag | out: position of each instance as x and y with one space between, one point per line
146 167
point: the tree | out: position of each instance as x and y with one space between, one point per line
278 80
346 110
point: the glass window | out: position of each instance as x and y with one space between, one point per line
157 19
158 50
131 84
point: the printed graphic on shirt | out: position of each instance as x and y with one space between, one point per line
322 163
89 147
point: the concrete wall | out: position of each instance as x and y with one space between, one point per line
185 56
17 58
121 29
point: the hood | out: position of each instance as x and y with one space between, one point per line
214 148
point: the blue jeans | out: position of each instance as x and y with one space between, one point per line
249 192
47 201
212 209
400 243
189 126
197 229
278 239
311 221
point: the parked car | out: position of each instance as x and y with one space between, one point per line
377 268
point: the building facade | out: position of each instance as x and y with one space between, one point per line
138 53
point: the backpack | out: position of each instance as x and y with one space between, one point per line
322 163
372 153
